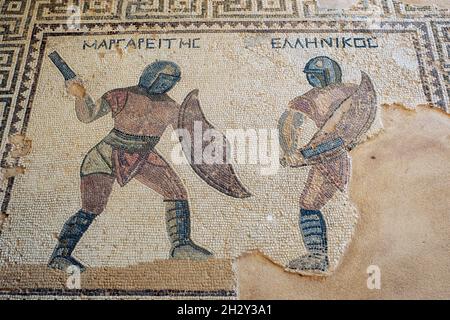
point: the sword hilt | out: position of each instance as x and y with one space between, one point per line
62 66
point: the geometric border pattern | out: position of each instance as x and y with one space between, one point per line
441 33
118 293
26 25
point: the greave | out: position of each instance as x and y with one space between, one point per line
178 222
178 225
70 235
314 232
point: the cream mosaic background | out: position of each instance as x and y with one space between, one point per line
248 86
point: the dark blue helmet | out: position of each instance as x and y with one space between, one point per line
160 76
323 71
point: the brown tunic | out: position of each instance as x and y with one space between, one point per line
343 112
139 122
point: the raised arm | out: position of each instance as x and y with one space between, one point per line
86 109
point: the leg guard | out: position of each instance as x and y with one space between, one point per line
179 230
70 235
314 232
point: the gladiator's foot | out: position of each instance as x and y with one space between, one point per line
189 250
179 229
62 263
314 264
68 238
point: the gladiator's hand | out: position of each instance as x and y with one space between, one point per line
287 161
283 162
292 161
75 88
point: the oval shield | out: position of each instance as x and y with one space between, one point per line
201 137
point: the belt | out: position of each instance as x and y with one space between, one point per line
131 143
323 147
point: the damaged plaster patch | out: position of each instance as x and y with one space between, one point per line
381 177
333 4
347 4
444 4
417 108
385 113
11 172
3 217
398 105
405 59
21 145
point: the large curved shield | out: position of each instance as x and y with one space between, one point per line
360 115
348 124
197 136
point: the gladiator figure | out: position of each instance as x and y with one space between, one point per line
343 113
141 114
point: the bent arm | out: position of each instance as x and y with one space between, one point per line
297 155
330 132
290 128
87 110
290 131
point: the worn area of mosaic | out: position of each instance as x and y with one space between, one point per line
162 141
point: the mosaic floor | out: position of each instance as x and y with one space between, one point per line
224 149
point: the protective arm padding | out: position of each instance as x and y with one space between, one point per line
289 127
87 110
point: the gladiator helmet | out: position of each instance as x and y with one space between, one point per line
323 71
159 77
